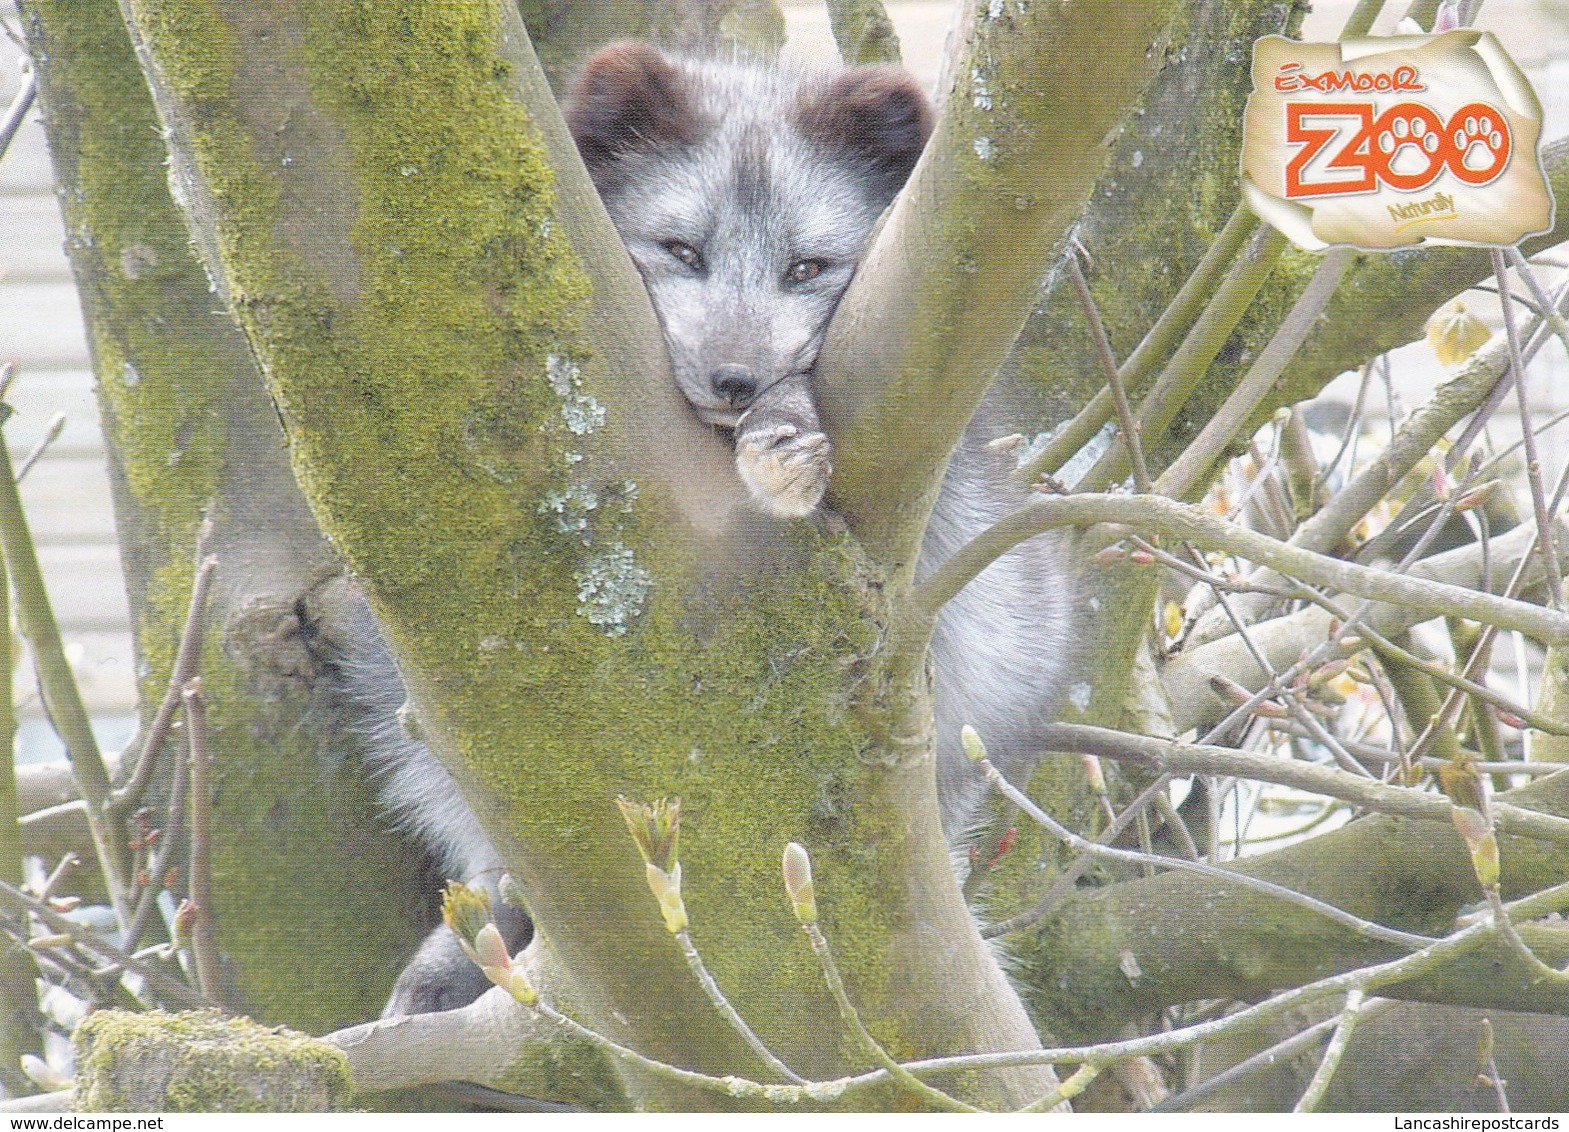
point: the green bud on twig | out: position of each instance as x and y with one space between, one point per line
655 827
466 910
666 888
1481 841
798 883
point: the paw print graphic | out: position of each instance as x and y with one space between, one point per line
1479 144
1411 141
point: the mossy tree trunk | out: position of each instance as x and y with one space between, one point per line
310 889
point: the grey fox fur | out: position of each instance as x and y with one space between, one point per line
746 195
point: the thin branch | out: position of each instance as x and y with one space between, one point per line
1336 1050
1066 880
173 829
1483 647
1157 344
863 1037
1352 624
169 990
186 659
203 926
1539 335
1287 638
1263 1059
57 684
1353 427
1439 672
1544 303
1431 958
1506 928
1164 756
1476 381
1108 363
16 113
1194 464
1157 515
722 1004
1533 461
51 434
1295 706
1365 928
1186 370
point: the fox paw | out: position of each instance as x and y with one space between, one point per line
786 470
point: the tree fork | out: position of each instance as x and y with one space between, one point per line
485 354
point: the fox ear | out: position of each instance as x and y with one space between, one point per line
878 116
629 97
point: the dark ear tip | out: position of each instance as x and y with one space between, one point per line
880 114
624 57
628 94
893 92
617 70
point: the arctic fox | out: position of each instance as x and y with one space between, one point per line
746 195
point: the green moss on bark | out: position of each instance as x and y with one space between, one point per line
315 899
203 1062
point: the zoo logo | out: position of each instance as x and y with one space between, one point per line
1385 143
1407 147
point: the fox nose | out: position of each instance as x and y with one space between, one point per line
735 384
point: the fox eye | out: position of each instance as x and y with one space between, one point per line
804 270
686 253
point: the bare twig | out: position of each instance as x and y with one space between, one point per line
168 846
17 111
1353 428
863 1037
186 659
1544 303
1157 515
204 932
1538 335
170 990
1161 339
57 684
1066 880
1431 958
1542 973
1333 1053
722 1004
1301 638
1265 1058
1484 643
1193 466
1168 757
1185 372
1533 461
52 434
1108 363
1476 382
1361 927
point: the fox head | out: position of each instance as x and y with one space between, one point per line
745 195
